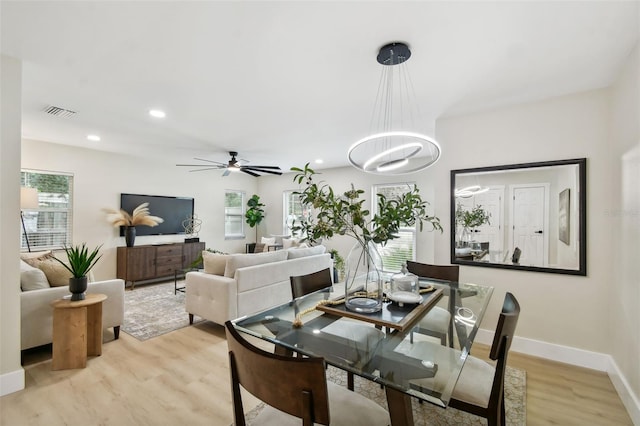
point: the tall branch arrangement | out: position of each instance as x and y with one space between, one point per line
345 214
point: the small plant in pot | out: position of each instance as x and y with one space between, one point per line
255 212
80 263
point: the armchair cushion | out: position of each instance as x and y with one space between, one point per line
32 278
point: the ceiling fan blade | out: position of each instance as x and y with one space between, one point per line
199 165
273 172
210 161
226 173
249 172
205 169
263 167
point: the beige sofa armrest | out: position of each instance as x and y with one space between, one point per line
212 297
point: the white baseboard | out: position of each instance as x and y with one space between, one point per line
577 357
12 382
621 384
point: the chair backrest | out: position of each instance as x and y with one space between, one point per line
500 348
506 327
296 386
438 272
305 284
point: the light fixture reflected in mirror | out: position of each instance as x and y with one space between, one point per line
392 148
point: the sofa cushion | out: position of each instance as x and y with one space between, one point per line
236 261
214 263
32 278
56 274
296 253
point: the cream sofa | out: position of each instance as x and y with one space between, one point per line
236 285
43 280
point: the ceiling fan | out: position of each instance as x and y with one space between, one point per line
233 165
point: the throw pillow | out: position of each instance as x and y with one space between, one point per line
32 278
267 242
214 263
236 261
288 243
296 253
57 274
279 239
33 258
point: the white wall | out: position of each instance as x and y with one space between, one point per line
623 220
100 177
11 373
560 309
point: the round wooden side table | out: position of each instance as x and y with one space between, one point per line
77 331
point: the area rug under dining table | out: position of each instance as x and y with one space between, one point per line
428 414
152 310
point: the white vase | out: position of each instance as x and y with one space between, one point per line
363 279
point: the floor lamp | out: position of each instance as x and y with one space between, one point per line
28 200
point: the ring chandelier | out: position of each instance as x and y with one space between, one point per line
393 149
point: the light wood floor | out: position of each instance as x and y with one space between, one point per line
182 378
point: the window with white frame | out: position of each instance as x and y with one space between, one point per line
400 249
293 211
48 224
234 214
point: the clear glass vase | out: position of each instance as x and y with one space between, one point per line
363 279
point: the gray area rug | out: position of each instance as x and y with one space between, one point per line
153 310
428 414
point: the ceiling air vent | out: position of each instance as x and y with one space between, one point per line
59 112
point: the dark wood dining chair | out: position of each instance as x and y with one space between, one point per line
480 387
471 393
304 284
437 322
293 387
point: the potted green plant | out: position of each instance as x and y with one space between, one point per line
468 219
80 262
345 214
338 265
255 213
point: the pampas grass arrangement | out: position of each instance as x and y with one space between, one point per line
140 216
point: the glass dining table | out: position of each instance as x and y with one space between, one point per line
385 347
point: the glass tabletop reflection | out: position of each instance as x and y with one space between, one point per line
413 363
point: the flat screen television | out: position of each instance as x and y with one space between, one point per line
174 210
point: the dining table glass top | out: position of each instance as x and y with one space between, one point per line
401 358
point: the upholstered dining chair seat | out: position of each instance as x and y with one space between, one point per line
474 384
436 320
347 408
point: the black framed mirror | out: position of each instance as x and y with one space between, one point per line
529 216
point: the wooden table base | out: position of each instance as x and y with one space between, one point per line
77 331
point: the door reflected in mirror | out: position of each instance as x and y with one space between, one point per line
521 216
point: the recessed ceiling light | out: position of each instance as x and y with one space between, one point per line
319 161
157 113
94 138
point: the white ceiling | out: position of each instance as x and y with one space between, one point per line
288 82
